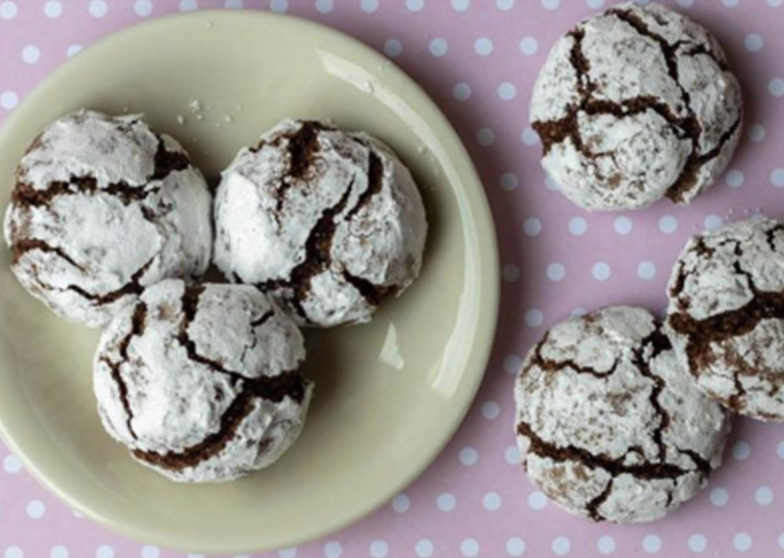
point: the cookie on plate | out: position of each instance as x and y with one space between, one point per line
634 104
327 222
609 425
726 315
202 382
102 207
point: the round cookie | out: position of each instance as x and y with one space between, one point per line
202 382
634 104
726 315
103 207
326 222
608 424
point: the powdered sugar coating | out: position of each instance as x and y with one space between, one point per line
201 382
103 207
608 424
726 315
634 104
327 222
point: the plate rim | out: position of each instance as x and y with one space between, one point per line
487 248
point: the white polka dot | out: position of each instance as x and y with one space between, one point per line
9 100
512 364
104 551
36 509
506 92
461 92
697 543
143 8
753 42
668 224
31 54
510 273
369 6
528 46
561 546
491 410
651 544
333 549
595 4
287 553
556 272
438 47
622 225
579 311
446 502
504 5
58 551
601 271
53 9
775 3
777 178
509 181
13 552
741 451
483 46
532 226
685 3
324 6
485 136
756 132
468 456
713 222
423 548
719 497
730 3
279 6
73 50
460 5
469 548
492 501
188 5
401 503
550 4
8 10
393 48
512 455
606 544
781 541
515 546
646 270
578 226
551 184
534 318
195 555
98 8
776 87
537 500
379 549
234 4
150 551
742 542
415 5
734 178
764 495
529 136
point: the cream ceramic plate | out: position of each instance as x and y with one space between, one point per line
389 395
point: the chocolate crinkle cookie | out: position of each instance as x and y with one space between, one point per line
326 222
634 104
609 425
103 207
726 315
202 382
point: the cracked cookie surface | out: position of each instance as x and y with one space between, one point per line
103 207
634 104
202 382
726 315
326 222
609 425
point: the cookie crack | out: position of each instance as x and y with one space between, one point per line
132 287
551 365
20 247
592 507
375 173
658 343
370 291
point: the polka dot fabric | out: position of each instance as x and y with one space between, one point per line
478 60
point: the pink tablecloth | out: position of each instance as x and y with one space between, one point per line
478 59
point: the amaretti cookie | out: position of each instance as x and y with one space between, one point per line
102 207
202 382
326 222
726 315
609 425
634 104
